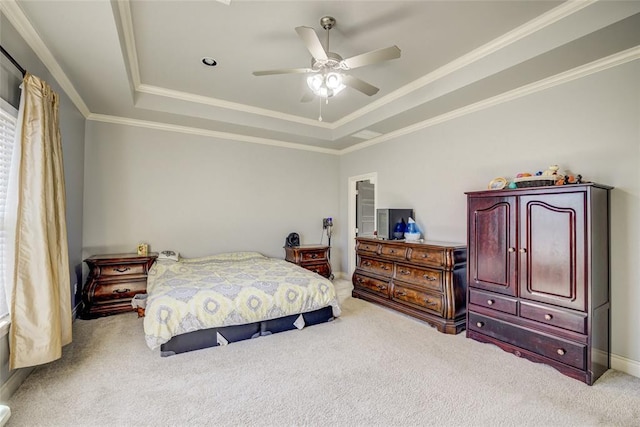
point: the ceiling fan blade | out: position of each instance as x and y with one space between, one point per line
308 97
372 57
360 85
282 71
312 42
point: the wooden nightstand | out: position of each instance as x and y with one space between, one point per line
312 257
113 281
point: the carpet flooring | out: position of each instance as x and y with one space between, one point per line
371 366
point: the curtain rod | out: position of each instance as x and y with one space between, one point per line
13 61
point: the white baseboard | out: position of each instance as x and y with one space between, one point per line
341 275
625 365
15 380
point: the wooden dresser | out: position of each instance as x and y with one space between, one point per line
312 257
112 282
425 280
539 275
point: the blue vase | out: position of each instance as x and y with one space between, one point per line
398 230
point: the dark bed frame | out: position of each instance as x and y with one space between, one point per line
206 338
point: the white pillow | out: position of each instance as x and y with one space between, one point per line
169 255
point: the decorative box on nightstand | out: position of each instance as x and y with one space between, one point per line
112 283
312 257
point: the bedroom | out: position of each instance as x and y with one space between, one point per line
144 174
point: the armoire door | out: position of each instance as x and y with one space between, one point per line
492 242
552 249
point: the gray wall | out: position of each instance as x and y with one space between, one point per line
72 125
199 195
589 126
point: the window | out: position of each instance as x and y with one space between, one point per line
8 119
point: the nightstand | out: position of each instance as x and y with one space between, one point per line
312 257
113 281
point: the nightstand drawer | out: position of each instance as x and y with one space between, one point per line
314 255
121 269
113 290
322 268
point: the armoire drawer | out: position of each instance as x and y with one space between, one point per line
376 266
430 279
567 352
552 316
426 300
372 285
493 301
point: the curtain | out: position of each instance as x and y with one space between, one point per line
41 292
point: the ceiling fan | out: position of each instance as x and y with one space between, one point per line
327 77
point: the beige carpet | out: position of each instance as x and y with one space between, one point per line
370 367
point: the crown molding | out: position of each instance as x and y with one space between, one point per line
565 77
129 42
536 24
206 132
205 100
18 19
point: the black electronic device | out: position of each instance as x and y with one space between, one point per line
387 220
293 239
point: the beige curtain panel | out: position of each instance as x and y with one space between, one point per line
40 297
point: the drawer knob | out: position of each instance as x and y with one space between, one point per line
425 255
480 324
522 250
405 272
393 251
359 280
366 263
385 267
401 293
561 351
121 291
548 317
382 287
489 302
511 249
429 278
314 256
429 302
121 269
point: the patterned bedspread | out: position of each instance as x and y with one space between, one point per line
228 289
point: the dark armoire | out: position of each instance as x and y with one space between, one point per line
538 275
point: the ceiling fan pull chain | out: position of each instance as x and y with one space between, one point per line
320 115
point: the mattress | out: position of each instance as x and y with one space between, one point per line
240 288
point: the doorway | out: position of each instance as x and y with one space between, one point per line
361 213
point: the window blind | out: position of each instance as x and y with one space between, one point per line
8 119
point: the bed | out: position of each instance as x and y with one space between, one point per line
195 303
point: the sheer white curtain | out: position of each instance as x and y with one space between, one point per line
41 295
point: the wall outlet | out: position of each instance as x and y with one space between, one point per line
327 222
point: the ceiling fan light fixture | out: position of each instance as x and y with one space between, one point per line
325 85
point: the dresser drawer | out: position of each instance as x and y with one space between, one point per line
372 285
427 256
493 301
425 300
121 269
431 279
367 247
396 252
567 352
313 255
383 268
552 316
